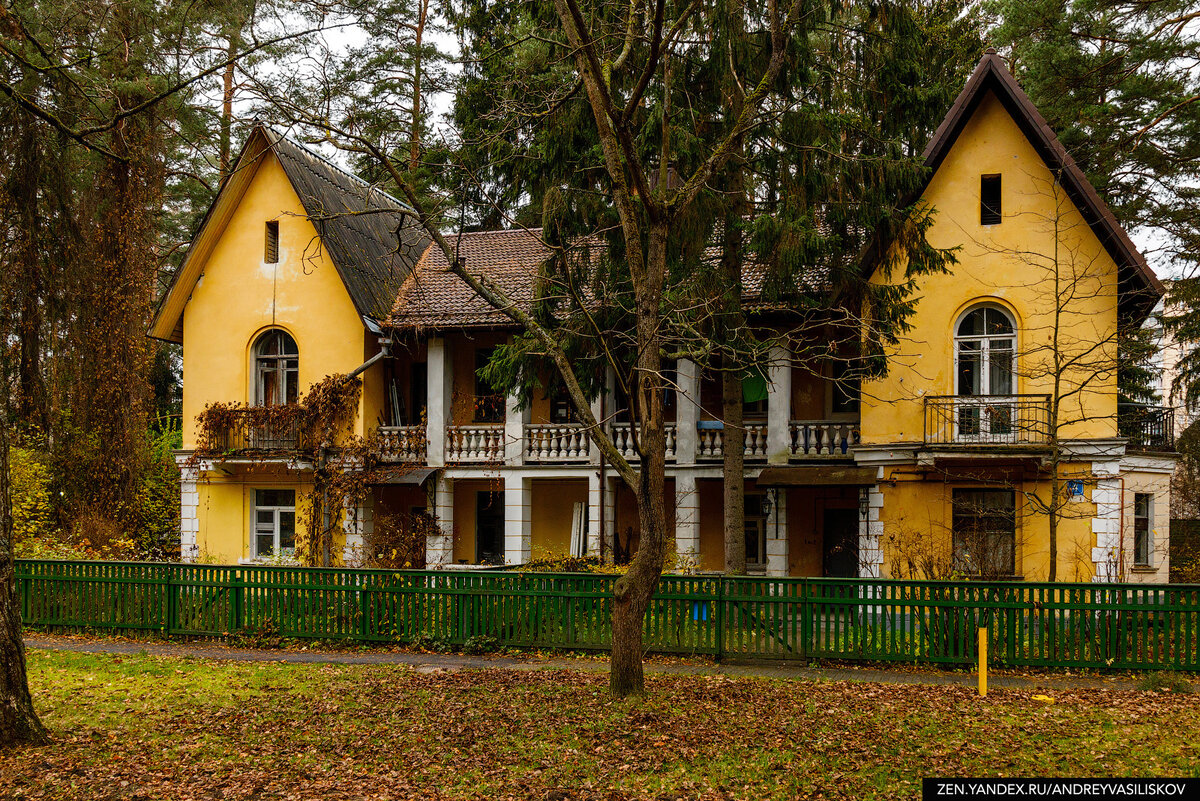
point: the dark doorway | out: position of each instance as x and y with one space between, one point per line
489 528
840 552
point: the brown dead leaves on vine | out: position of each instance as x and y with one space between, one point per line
388 733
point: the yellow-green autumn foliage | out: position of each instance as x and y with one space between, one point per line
29 478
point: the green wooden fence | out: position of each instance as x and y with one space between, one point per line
1130 626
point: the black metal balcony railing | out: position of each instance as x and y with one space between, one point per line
970 420
260 430
1148 428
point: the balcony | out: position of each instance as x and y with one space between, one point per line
823 439
402 444
1148 428
710 442
255 430
557 443
623 439
480 443
988 420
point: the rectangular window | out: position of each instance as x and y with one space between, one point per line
489 404
985 532
1143 505
272 254
489 528
989 200
274 523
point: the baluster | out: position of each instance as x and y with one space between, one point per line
671 435
826 435
718 442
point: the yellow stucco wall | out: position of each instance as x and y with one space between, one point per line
226 498
553 506
1012 264
239 296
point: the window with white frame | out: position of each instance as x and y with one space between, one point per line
274 523
985 532
984 348
276 369
1143 510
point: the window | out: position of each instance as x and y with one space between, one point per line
847 388
989 200
984 348
272 249
274 523
755 523
1143 504
489 528
489 404
560 407
985 532
276 369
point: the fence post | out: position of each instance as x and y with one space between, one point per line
172 616
26 582
237 591
805 617
720 618
364 608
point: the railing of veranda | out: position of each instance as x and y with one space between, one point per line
1119 626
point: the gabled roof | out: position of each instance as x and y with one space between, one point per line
1139 289
372 243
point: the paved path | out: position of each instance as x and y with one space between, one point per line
429 663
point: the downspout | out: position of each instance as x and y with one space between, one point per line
385 352
603 471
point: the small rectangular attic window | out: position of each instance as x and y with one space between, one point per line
272 255
989 200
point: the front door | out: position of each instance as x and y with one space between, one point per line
755 522
840 552
489 528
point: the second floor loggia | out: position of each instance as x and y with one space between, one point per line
432 406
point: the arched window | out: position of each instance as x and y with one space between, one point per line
984 346
276 369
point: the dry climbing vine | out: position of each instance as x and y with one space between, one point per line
318 429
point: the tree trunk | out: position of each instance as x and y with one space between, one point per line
734 470
235 39
19 724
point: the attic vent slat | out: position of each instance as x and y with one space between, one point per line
989 200
272 254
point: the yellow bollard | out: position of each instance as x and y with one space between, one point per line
983 662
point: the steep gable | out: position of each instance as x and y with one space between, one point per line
1139 288
371 240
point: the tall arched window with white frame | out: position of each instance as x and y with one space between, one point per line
276 369
985 346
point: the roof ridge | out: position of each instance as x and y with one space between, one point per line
352 176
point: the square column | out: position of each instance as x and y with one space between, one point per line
358 524
602 406
870 533
1106 525
515 419
518 530
609 500
439 393
687 522
595 501
778 553
189 511
779 406
687 411
439 545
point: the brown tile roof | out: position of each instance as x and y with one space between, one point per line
434 297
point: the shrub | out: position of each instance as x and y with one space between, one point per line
1165 682
30 480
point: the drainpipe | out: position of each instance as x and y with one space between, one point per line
385 352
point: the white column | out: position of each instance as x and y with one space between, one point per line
515 419
439 392
1106 525
609 500
687 411
439 544
687 521
518 500
870 534
358 524
189 511
779 406
595 500
602 405
778 553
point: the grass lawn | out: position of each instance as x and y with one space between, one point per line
155 727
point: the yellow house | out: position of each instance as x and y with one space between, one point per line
997 422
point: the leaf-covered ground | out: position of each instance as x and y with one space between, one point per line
155 727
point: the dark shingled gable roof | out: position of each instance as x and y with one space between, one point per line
373 244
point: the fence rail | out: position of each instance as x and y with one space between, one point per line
1117 626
